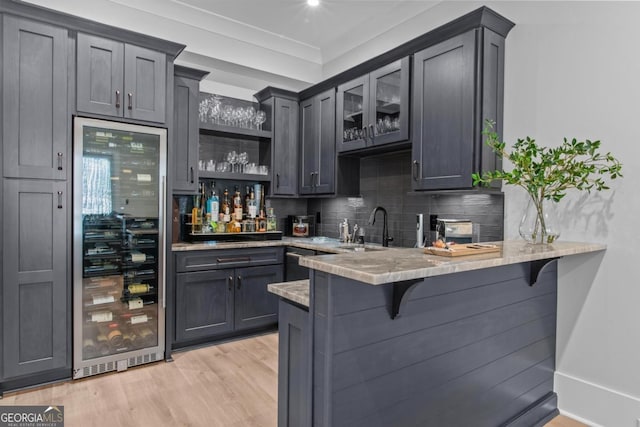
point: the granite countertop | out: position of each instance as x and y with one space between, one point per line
380 267
322 244
296 291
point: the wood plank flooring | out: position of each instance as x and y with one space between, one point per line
232 384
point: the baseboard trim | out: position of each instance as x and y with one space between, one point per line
537 414
594 404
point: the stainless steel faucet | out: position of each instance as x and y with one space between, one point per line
385 229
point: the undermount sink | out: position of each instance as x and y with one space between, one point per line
358 248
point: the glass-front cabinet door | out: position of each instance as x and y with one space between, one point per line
389 103
373 109
352 114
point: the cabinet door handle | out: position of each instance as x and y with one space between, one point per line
239 281
364 133
117 99
371 131
59 199
130 96
312 180
236 259
59 161
416 168
230 282
277 180
192 174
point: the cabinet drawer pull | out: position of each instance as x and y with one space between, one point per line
192 174
59 161
117 99
236 259
277 180
230 282
416 168
239 281
59 199
130 95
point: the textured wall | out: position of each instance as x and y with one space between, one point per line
385 181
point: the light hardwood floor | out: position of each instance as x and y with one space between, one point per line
228 385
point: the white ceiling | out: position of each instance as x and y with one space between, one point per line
333 27
248 44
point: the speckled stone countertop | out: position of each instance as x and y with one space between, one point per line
296 291
322 244
380 267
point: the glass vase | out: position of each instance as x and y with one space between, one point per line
539 224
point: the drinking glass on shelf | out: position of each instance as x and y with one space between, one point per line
232 159
203 110
227 114
215 108
261 117
251 115
243 159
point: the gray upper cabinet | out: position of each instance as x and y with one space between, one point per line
456 85
186 136
35 294
35 119
317 132
120 79
285 147
373 110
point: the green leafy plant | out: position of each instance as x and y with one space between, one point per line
547 173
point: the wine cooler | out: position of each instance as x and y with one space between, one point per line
119 245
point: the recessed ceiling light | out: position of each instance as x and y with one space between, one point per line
313 2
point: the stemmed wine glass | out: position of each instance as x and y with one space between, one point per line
215 108
227 114
243 159
260 118
232 158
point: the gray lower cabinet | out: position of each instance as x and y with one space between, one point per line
216 301
457 84
204 304
294 366
186 132
35 291
35 119
254 305
120 79
317 133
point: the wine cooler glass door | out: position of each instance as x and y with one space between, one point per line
119 245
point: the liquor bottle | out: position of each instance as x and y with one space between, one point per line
226 208
252 205
237 205
203 199
245 207
213 206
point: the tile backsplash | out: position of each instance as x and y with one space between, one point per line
385 181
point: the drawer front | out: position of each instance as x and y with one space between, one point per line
227 258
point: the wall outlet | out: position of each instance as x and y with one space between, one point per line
433 222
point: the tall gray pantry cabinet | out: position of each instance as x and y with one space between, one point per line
38 83
36 143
